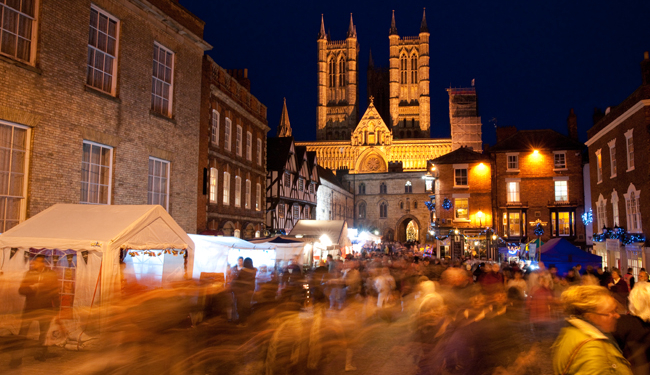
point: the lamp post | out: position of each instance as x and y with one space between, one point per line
479 214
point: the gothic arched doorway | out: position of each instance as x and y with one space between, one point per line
408 229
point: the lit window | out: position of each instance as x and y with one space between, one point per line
629 141
404 66
213 184
612 158
287 179
258 197
163 76
158 185
102 48
332 73
249 146
599 166
514 221
513 162
564 225
601 212
281 210
247 201
561 191
615 208
560 160
259 151
414 69
460 177
296 212
238 141
362 210
461 208
237 191
13 172
214 134
513 192
226 135
96 173
408 187
17 28
226 188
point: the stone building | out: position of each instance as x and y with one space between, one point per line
618 161
334 201
538 179
232 155
99 104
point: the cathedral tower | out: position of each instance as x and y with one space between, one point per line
409 83
338 86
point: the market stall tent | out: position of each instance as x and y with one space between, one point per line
336 230
286 248
89 240
564 255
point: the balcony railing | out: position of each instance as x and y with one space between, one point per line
563 203
517 204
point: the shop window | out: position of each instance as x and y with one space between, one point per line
461 208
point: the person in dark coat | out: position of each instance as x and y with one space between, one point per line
40 286
619 288
243 287
633 331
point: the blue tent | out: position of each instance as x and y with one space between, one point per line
562 254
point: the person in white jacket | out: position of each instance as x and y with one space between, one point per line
384 284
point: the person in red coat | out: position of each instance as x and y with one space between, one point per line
619 288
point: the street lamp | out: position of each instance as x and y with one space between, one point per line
479 214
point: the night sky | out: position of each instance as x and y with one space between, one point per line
531 62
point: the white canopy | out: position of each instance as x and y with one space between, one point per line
336 230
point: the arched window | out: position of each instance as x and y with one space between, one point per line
403 69
342 72
362 210
408 187
332 73
383 210
401 205
414 69
362 188
415 205
382 188
632 209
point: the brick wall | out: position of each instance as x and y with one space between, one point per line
480 198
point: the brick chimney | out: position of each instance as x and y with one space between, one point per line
504 132
572 125
645 68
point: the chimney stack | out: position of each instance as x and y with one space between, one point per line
645 68
572 125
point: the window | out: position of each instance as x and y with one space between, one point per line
599 166
247 201
332 73
382 188
460 177
158 185
559 160
238 141
258 197
296 212
383 210
213 184
17 28
301 184
513 162
249 146
362 188
259 151
162 85
362 210
632 208
401 205
615 208
561 191
514 224
612 157
227 133
237 191
513 192
404 66
461 208
341 72
281 210
287 179
601 212
96 166
13 171
307 213
414 69
214 135
226 188
415 205
629 142
564 225
311 188
408 187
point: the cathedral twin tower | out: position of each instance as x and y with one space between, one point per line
408 105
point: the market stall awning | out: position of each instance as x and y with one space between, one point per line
336 230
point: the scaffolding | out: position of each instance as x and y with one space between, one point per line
464 119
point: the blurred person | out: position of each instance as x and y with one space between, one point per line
619 288
40 286
384 284
243 287
633 331
643 276
519 284
629 278
586 345
540 304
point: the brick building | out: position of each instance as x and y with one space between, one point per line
538 179
618 160
463 178
232 154
334 201
99 104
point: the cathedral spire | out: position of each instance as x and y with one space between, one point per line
321 34
423 25
352 30
393 28
371 64
284 129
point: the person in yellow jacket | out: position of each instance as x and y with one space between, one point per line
586 345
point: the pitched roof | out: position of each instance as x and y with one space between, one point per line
329 176
461 155
542 139
277 152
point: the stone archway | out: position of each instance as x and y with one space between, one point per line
407 229
228 229
249 231
372 161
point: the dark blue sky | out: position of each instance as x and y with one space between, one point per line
532 61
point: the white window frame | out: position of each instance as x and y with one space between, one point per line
615 212
601 213
456 218
510 194
237 191
227 136
95 49
258 197
110 171
226 188
33 32
560 223
247 197
295 211
633 210
515 226
259 151
249 146
214 183
23 198
166 164
214 130
629 149
599 166
560 182
170 100
561 167
514 165
612 158
238 140
460 167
